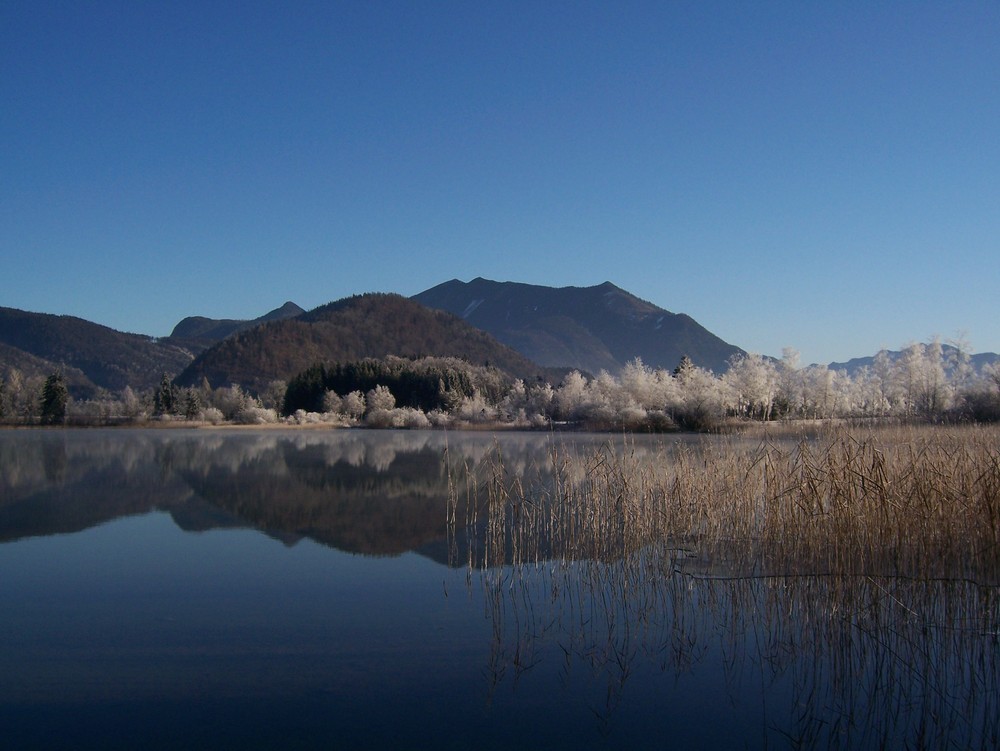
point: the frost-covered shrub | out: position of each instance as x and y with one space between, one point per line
212 415
476 409
399 417
439 418
380 398
633 418
413 418
301 417
659 422
538 420
254 415
232 400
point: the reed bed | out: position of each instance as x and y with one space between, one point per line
856 570
848 661
917 501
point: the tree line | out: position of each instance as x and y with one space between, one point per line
924 382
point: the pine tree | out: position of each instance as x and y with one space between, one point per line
165 398
192 405
54 400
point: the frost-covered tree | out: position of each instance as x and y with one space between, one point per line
540 400
513 407
959 362
788 398
332 403
380 398
22 394
232 400
884 372
273 396
476 409
754 380
131 404
703 398
920 374
192 404
980 400
353 405
570 399
933 396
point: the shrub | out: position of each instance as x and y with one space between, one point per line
253 415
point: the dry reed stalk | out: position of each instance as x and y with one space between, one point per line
851 562
905 500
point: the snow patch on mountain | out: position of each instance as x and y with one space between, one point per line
471 307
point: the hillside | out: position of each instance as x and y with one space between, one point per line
589 328
372 325
91 355
208 331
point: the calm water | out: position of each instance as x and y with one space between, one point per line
232 589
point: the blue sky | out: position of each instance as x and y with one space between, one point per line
809 174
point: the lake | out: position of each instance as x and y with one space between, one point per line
305 589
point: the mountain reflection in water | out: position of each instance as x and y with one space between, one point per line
365 492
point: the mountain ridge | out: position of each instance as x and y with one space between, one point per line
211 330
354 328
588 328
104 357
94 358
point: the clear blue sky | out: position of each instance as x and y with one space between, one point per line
809 174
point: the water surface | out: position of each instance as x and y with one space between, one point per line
266 589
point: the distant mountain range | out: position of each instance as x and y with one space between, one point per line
526 330
373 325
948 355
588 328
208 331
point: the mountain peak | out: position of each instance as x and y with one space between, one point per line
211 330
589 328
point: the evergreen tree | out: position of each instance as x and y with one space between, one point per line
165 398
684 366
54 400
192 404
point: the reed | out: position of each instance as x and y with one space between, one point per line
858 568
921 501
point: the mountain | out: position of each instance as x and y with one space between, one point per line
208 331
948 355
588 328
90 355
372 325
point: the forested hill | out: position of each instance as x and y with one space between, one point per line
372 325
589 328
90 355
